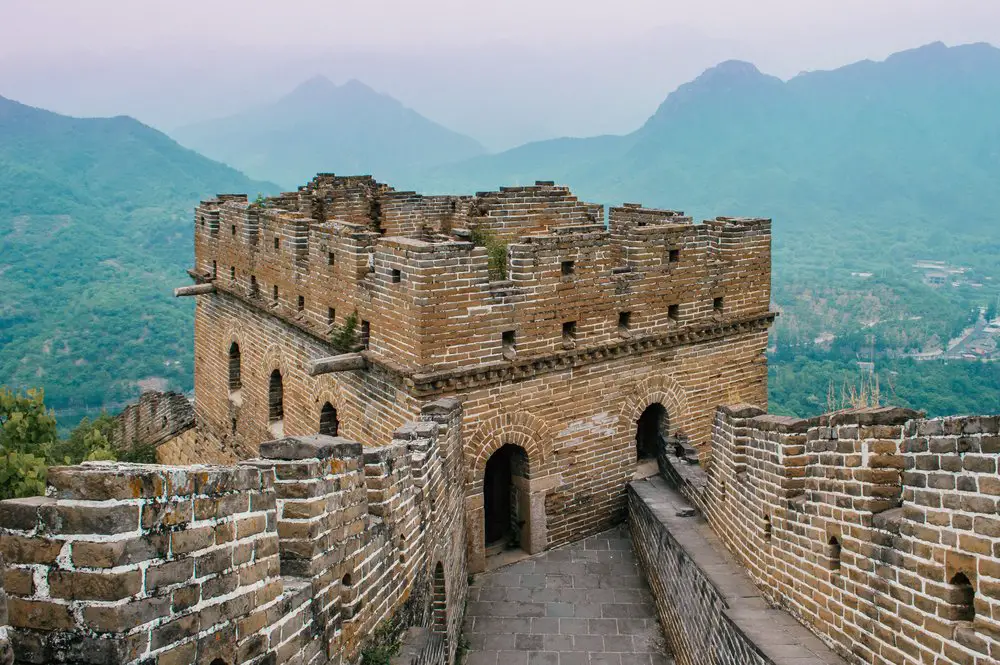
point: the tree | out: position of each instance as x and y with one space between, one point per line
26 429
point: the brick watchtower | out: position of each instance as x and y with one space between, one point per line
572 344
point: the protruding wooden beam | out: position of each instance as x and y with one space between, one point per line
345 362
194 290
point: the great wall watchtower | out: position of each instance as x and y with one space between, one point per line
557 338
517 361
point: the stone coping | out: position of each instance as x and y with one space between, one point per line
777 635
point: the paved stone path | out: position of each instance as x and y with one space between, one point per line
584 604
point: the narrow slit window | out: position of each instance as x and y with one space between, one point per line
215 269
397 276
277 242
235 367
275 398
718 304
834 553
331 314
624 321
234 229
963 597
366 333
330 259
274 293
302 303
232 273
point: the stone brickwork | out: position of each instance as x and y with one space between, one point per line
876 528
294 557
708 608
592 323
154 420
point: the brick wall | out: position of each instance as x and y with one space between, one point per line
876 528
123 563
295 557
653 309
153 420
708 609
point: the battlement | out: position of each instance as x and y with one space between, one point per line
292 557
887 515
432 300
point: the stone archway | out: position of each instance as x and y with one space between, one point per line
503 501
526 433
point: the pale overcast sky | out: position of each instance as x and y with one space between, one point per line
153 58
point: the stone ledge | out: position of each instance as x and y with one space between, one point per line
774 635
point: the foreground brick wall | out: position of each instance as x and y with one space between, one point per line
865 525
296 557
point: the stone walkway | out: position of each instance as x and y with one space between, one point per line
583 604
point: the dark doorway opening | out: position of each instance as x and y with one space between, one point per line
650 428
500 495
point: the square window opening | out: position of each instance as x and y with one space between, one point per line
397 276
508 340
568 267
569 331
674 312
718 304
624 320
674 255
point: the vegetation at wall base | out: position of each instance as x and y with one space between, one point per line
29 443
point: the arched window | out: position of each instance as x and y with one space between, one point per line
439 601
275 398
235 380
963 597
328 423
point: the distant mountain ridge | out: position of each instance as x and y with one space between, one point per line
323 127
911 132
95 229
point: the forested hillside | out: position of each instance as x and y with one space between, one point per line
95 230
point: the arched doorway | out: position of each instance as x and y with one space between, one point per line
652 425
502 497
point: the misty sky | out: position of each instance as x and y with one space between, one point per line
503 72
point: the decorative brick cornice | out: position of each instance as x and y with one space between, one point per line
430 383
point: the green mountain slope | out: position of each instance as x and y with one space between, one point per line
865 169
95 230
322 127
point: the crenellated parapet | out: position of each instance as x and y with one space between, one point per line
431 299
294 557
877 528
